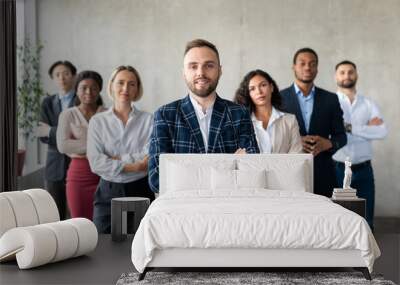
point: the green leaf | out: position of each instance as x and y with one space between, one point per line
29 86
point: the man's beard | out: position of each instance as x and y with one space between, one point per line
203 92
307 81
347 85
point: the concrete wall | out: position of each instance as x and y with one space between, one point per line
151 35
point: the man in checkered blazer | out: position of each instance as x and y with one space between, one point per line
202 122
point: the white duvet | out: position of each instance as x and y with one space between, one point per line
253 218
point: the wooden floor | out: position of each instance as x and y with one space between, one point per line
111 259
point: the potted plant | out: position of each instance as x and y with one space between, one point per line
29 94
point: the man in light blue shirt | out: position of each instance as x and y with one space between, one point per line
364 123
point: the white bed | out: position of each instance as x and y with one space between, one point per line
226 210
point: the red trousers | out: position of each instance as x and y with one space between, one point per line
81 186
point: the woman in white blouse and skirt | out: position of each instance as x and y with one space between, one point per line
118 145
71 140
276 131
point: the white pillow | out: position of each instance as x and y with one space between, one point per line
292 179
282 174
251 178
222 179
185 175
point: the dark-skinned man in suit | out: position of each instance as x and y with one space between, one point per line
319 116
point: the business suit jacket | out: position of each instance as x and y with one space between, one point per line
326 121
176 130
286 135
56 162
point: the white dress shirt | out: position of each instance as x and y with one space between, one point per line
108 137
204 119
358 114
265 137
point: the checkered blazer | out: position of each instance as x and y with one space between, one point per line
176 130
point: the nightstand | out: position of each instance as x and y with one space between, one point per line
119 211
356 205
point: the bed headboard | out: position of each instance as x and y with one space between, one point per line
282 164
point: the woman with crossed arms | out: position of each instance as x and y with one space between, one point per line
71 140
118 146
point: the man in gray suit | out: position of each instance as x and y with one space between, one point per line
63 74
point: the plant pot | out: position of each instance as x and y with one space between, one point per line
20 161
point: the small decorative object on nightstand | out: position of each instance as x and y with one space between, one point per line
347 196
345 193
347 174
119 209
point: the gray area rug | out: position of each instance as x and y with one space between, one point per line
225 278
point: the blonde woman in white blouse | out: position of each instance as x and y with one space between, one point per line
72 140
276 131
118 141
